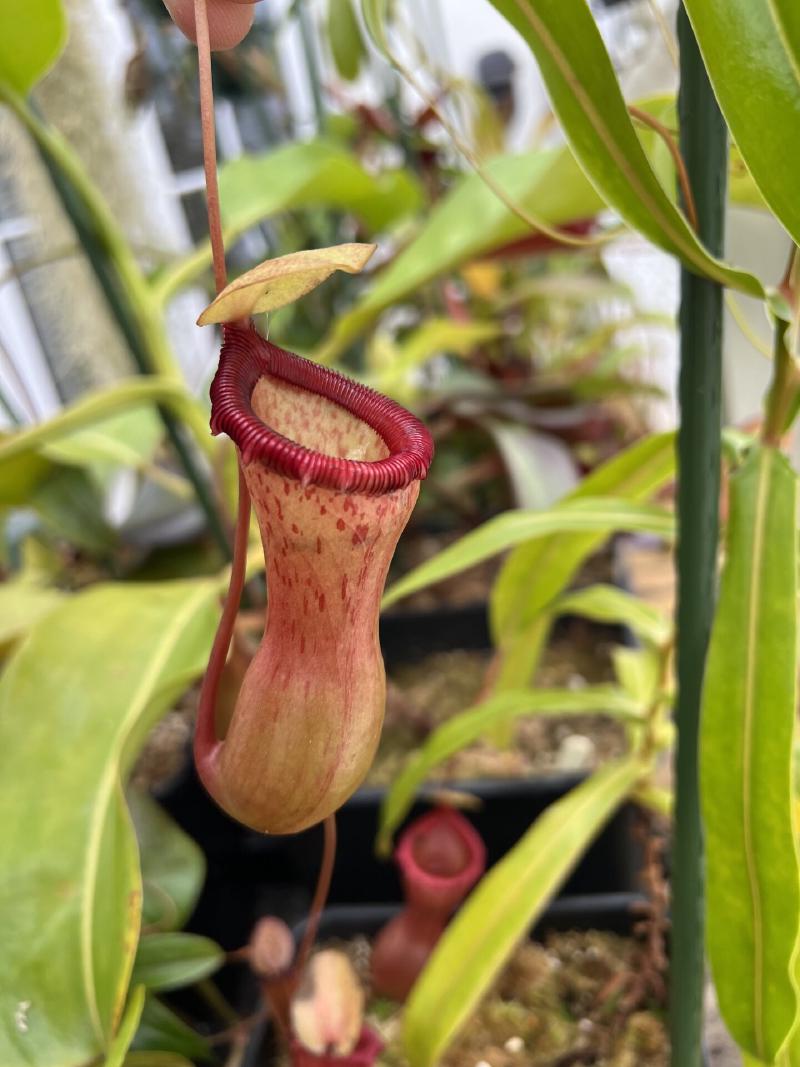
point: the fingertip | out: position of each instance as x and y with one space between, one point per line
228 22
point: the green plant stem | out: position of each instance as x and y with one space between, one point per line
134 305
704 149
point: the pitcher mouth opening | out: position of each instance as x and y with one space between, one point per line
405 446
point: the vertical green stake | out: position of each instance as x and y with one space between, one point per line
704 147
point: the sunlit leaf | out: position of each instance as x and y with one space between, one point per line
506 902
278 282
748 723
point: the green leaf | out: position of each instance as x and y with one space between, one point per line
535 573
756 44
435 336
607 603
522 654
465 728
91 411
318 172
76 698
275 283
21 475
70 506
500 910
128 439
22 604
540 467
32 35
638 671
170 961
748 717
586 97
161 1030
599 516
344 36
313 173
173 866
547 181
130 1021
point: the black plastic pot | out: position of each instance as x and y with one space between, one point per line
612 912
611 864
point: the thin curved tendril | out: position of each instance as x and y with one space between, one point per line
320 896
209 142
534 222
205 734
680 167
206 742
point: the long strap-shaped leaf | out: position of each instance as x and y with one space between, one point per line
536 572
465 728
751 49
749 707
586 96
74 701
507 901
585 514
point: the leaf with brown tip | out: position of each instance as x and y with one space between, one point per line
277 282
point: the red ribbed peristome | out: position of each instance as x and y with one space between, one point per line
246 357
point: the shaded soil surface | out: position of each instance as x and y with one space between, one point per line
576 999
423 695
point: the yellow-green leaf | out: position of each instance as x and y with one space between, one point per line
535 573
607 603
586 97
130 1021
32 35
591 517
752 51
277 282
76 698
505 904
344 37
748 721
497 712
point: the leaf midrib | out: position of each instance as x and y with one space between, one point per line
706 263
103 799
